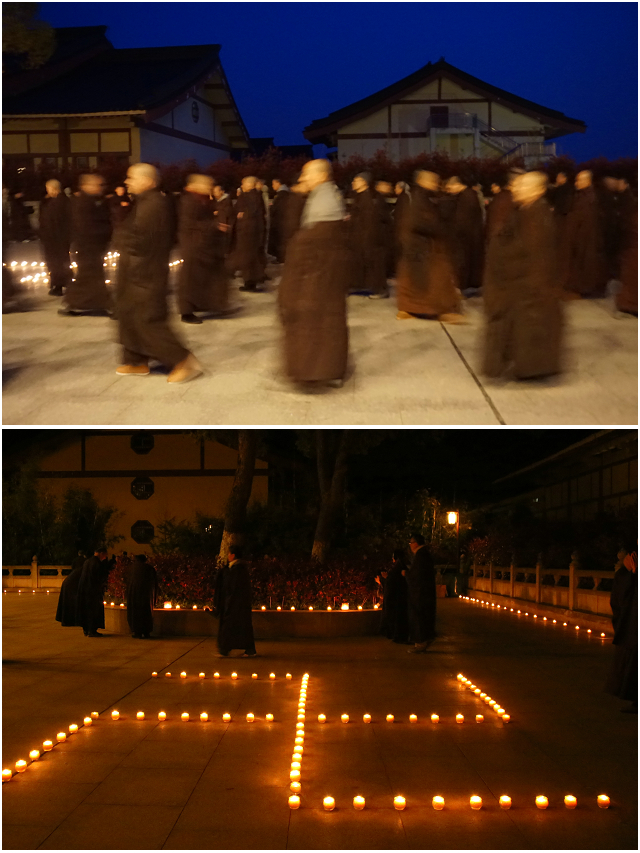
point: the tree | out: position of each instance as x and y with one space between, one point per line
27 42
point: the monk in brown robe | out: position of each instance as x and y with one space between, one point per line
368 227
467 234
54 233
426 283
224 215
120 206
560 198
586 272
521 294
400 211
203 283
90 236
276 219
627 297
312 296
248 236
293 213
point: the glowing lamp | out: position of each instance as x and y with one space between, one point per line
34 755
167 675
288 676
47 745
6 775
216 675
294 801
452 517
61 737
278 608
140 715
479 718
390 718
296 787
345 718
183 675
269 718
162 715
154 675
115 715
438 803
329 608
73 728
542 802
299 740
435 718
603 801
263 607
184 716
506 718
366 718
21 766
293 608
459 718
413 718
322 718
272 675
345 606
399 803
360 608
204 717
475 803
87 721
250 718
329 804
226 718
358 803
294 775
234 675
570 802
301 717
296 765
201 675
505 802
254 675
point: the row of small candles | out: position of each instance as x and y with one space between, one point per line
477 691
168 605
234 675
185 717
295 773
438 803
413 718
544 619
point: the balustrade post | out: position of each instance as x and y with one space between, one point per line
538 568
573 565
512 579
34 572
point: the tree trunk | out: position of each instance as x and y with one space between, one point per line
236 509
332 475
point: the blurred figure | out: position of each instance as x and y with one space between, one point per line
263 191
467 235
90 237
313 290
368 227
623 676
91 587
524 318
203 281
426 284
560 197
386 191
421 587
224 215
395 603
20 230
248 236
497 205
66 612
293 212
627 297
586 265
141 595
120 204
276 223
55 236
608 196
145 242
400 212
232 603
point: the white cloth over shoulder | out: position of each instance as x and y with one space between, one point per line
325 204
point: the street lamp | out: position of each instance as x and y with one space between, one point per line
454 518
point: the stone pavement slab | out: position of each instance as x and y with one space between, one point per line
146 785
61 371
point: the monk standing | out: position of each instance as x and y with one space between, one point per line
54 233
370 228
586 264
627 298
467 235
276 219
248 236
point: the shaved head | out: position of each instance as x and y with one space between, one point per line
529 187
202 184
141 177
427 180
53 187
249 183
315 172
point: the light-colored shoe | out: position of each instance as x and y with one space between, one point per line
133 370
454 319
186 370
403 315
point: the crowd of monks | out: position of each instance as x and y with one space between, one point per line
527 248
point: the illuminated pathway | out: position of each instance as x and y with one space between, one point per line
131 783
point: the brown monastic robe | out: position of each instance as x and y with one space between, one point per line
426 279
54 233
467 240
203 283
561 199
279 206
369 229
522 297
248 237
586 265
400 212
627 298
224 214
292 216
90 236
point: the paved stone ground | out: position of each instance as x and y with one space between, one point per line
61 371
146 785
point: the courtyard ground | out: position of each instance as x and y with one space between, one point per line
148 785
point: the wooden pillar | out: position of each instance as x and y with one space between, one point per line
34 572
512 580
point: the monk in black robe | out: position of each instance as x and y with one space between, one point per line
586 263
66 612
293 214
119 206
276 220
623 678
426 282
400 214
91 587
467 235
312 293
141 595
560 198
627 297
369 232
421 585
203 281
232 602
248 236
90 237
609 203
521 295
395 604
55 236
145 241
225 217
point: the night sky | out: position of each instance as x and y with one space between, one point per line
290 63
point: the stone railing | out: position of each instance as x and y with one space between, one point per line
34 577
568 589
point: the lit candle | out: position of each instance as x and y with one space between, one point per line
195 607
570 802
299 740
311 608
167 605
296 765
505 802
34 755
358 802
6 775
603 801
588 630
162 715
345 718
329 804
542 802
375 606
577 627
366 718
234 675
294 775
21 765
535 615
47 745
294 801
298 749
201 675
479 718
140 715
438 803
272 675
296 787
477 691
564 624
435 718
413 718
459 676
87 721
399 803
300 726
113 604
177 607
301 717
483 695
493 702
183 675
184 716
459 718
73 728
278 608
554 621
61 737
293 608
95 715
204 717
603 635
359 607
500 711
115 715
390 718
269 718
322 718
154 675
167 675
226 718
345 606
263 607
544 618
288 676
216 675
475 803
329 608
250 718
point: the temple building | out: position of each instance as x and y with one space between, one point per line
92 103
441 108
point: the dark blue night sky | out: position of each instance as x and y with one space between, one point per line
290 63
